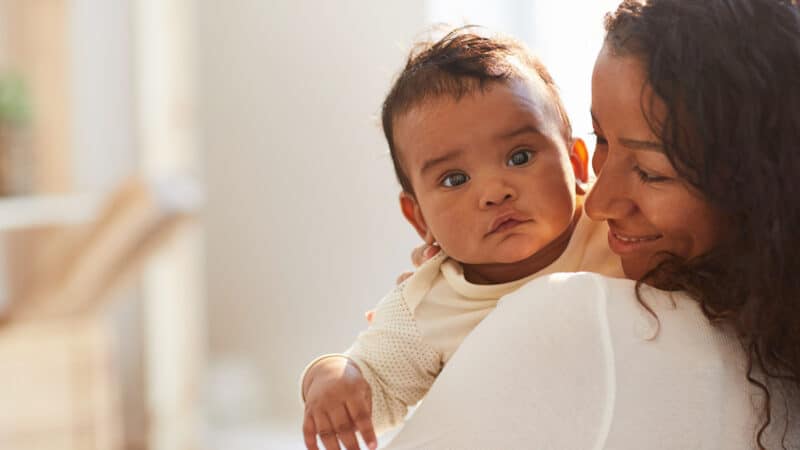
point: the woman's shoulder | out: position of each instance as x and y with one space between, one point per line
672 323
573 283
669 370
569 293
645 311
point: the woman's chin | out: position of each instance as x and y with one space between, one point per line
635 268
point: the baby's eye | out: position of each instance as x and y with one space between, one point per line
455 179
520 158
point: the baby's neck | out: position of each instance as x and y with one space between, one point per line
506 272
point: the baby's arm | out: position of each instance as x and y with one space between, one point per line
397 362
393 359
337 404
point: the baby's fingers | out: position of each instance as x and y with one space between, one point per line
360 412
423 253
344 427
326 431
310 432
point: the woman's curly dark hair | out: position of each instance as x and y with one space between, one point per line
728 72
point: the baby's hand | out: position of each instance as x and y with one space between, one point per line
423 253
418 256
338 403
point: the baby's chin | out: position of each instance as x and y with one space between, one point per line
511 255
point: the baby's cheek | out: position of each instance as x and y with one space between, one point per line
558 209
454 233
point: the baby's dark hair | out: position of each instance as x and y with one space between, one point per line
456 65
728 72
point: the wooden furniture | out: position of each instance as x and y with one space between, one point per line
63 253
56 350
59 385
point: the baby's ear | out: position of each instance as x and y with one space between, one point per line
413 214
579 157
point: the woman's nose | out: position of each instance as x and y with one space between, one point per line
609 197
497 192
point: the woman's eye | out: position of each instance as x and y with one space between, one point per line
455 179
520 158
647 177
599 140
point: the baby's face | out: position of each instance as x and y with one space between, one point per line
491 172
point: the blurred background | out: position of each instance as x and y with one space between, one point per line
196 199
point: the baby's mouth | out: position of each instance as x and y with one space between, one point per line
510 223
506 222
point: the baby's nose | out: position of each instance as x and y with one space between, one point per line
497 195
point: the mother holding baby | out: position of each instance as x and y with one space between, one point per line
696 108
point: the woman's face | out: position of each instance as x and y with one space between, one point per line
649 208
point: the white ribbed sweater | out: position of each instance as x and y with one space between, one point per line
573 361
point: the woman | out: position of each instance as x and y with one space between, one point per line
696 107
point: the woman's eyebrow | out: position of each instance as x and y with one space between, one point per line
635 144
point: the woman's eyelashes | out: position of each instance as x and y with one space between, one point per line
454 179
648 177
599 139
644 175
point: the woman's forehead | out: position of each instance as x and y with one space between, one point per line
621 95
618 78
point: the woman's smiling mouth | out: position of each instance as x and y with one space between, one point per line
623 243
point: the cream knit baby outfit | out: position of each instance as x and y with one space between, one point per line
419 325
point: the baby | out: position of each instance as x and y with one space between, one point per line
483 150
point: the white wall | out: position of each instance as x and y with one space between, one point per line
304 231
101 58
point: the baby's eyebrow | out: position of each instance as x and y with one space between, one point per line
429 164
525 129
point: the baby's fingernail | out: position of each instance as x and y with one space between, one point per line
372 445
